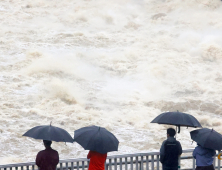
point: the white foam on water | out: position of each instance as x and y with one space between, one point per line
114 64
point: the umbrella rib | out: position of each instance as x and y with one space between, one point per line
111 138
91 139
208 136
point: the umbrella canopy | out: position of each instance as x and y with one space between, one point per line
207 138
49 132
178 119
96 138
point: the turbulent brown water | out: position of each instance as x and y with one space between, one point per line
116 64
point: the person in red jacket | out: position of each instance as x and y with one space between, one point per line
97 160
47 159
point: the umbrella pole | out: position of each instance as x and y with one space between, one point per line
176 133
178 128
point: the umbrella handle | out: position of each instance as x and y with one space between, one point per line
178 128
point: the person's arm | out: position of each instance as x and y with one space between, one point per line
180 148
162 148
194 153
89 155
57 158
162 152
37 160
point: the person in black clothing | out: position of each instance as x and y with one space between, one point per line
170 151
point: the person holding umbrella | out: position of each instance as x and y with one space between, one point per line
204 158
170 151
47 159
98 141
208 141
97 160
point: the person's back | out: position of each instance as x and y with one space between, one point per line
97 160
170 151
47 159
204 157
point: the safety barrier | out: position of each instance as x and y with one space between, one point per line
139 161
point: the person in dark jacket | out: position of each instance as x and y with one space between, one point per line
47 159
170 151
204 158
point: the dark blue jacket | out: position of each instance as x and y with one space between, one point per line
170 152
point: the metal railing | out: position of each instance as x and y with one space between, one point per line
139 161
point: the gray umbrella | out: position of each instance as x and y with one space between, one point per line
178 119
96 138
49 132
207 138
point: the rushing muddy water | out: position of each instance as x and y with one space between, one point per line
116 64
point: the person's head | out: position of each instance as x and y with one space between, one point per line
171 132
47 143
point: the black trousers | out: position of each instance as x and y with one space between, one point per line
169 168
211 167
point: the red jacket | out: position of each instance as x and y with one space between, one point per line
97 160
47 159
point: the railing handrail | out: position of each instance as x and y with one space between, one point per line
85 159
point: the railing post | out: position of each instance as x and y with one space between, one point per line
115 163
126 164
152 159
66 165
106 165
71 165
131 163
120 163
83 165
137 163
60 166
158 162
110 164
141 163
218 164
194 162
147 162
77 165
88 162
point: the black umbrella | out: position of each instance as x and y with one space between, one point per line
178 119
96 138
207 138
49 132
